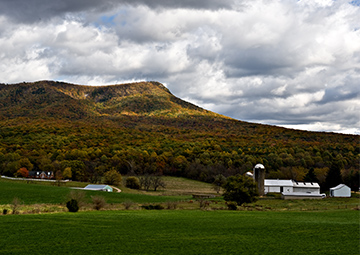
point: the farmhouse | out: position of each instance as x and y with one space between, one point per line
41 174
99 187
340 190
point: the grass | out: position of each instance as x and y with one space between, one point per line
181 232
39 193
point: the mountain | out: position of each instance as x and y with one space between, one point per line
142 128
61 100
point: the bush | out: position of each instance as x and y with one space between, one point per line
72 205
127 204
133 182
171 205
153 207
232 205
98 202
15 205
79 196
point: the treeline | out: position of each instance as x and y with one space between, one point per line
199 149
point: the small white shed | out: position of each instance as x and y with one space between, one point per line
340 190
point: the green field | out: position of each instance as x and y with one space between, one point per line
268 226
181 232
43 193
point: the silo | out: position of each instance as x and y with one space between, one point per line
259 176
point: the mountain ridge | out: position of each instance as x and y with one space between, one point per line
142 98
141 128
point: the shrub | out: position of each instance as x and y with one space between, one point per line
79 196
72 205
153 207
15 205
133 182
98 202
127 204
232 205
171 205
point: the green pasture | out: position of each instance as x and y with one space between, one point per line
182 232
34 193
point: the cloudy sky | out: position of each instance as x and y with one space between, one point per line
292 63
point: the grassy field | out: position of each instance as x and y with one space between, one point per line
181 232
44 193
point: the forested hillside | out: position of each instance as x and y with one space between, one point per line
142 128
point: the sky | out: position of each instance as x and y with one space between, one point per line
290 63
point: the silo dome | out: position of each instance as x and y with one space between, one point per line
261 166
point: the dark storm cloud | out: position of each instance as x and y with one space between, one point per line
29 11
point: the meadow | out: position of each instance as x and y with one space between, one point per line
181 232
268 226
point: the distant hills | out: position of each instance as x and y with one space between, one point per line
142 128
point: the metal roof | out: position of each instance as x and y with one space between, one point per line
284 183
306 184
96 186
339 187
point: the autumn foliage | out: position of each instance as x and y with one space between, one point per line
142 129
22 172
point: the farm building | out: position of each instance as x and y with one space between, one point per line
340 190
302 195
99 187
290 189
278 186
41 174
290 186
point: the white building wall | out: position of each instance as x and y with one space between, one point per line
305 190
344 191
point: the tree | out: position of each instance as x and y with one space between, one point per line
23 172
112 177
333 177
145 182
310 176
58 177
133 182
240 189
219 181
67 173
25 162
156 182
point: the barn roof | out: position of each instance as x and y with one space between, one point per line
271 182
339 187
306 184
96 186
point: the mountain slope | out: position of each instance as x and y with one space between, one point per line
61 100
142 128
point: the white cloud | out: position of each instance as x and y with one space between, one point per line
281 62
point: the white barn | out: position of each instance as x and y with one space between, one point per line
306 187
290 186
278 186
340 190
